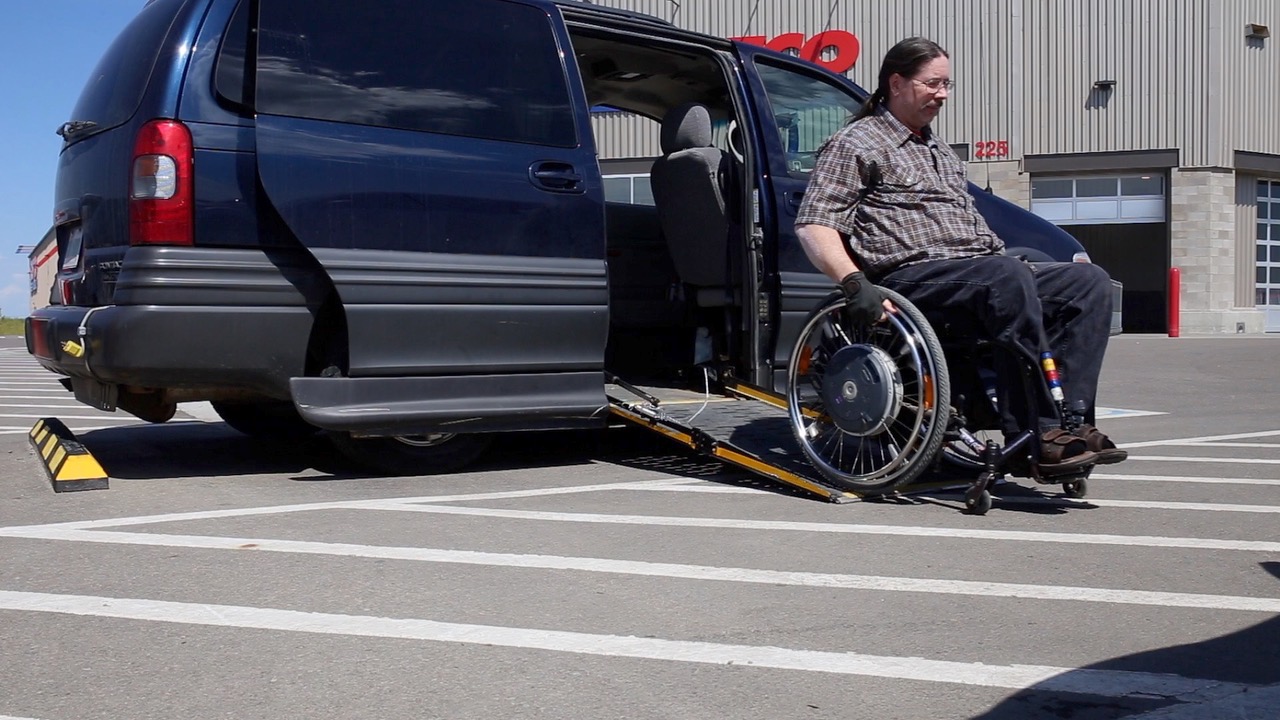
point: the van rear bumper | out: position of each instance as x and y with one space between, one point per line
150 346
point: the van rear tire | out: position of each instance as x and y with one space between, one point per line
265 420
434 454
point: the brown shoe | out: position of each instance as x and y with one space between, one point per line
1101 445
1062 453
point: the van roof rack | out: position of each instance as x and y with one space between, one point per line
590 7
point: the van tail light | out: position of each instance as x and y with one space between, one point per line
161 201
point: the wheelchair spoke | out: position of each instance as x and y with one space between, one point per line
890 430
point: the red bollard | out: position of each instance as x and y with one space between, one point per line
1175 302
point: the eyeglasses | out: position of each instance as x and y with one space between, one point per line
936 84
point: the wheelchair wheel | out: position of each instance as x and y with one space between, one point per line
868 405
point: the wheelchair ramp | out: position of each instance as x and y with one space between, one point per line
746 427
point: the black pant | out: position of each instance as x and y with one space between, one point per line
1063 308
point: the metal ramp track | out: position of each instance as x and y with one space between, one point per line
747 427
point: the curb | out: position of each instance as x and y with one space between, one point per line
70 466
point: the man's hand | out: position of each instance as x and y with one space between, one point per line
864 303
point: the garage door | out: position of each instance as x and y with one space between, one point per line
1121 221
1268 257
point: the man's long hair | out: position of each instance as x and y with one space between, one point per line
906 58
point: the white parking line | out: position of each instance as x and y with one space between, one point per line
1252 446
42 405
705 489
413 504
1203 438
335 505
1140 504
18 430
1106 683
1181 458
104 417
1016 499
840 528
667 570
1186 479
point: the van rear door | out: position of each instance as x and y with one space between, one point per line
436 159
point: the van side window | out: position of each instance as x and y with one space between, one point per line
477 68
806 111
230 80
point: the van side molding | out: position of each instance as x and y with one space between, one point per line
453 403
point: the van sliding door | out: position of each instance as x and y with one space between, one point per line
436 160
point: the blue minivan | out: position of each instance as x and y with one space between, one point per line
387 221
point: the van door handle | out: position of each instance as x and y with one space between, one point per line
794 200
556 176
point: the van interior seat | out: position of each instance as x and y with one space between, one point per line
641 275
689 182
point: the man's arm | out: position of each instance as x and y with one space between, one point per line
826 249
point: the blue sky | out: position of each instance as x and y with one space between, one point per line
47 49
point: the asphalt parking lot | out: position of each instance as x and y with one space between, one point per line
607 575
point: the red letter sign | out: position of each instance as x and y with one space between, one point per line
845 46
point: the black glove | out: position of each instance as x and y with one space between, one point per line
864 303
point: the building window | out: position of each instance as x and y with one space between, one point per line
630 189
1267 291
1101 200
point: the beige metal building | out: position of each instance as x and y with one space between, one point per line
42 269
1149 129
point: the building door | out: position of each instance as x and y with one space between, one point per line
1121 222
1268 255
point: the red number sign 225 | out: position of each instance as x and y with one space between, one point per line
984 149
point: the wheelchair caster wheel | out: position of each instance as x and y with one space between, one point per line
1075 489
977 504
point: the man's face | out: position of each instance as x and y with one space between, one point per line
916 100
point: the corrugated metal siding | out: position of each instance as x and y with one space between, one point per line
624 135
982 36
1251 69
1155 50
1186 77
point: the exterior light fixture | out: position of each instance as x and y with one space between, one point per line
1254 31
1104 84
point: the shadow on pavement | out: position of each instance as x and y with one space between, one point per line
212 449
1248 657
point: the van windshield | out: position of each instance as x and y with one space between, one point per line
115 87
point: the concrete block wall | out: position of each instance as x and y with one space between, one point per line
1202 218
1005 178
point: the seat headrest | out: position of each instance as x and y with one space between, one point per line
684 127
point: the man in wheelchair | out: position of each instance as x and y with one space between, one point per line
887 206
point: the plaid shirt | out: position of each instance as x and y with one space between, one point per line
921 210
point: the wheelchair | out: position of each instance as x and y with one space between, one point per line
874 408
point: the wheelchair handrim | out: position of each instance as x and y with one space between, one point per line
909 334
